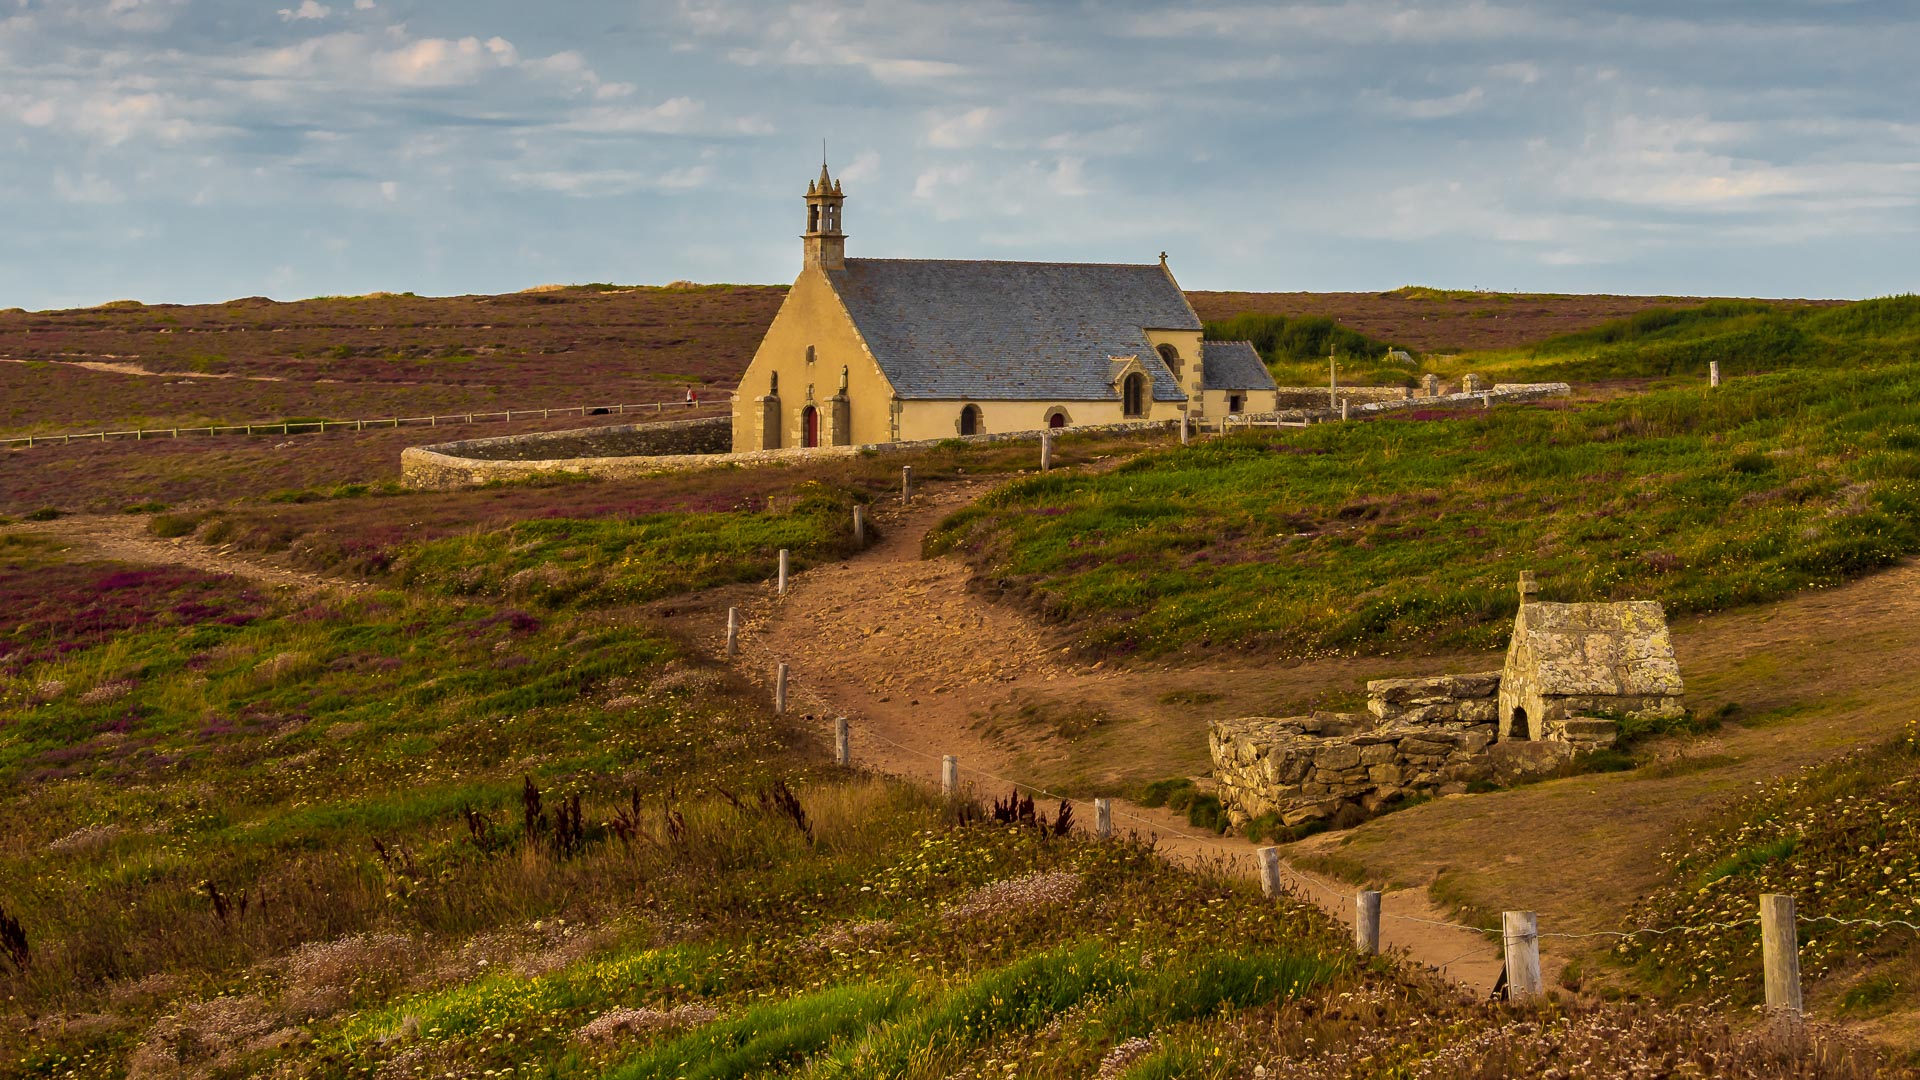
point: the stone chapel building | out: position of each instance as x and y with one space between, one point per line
868 351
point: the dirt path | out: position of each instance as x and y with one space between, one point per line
921 667
125 537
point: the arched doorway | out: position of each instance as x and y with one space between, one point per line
970 420
1517 726
1133 395
809 426
1057 420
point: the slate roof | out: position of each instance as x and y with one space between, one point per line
1601 649
949 329
1233 365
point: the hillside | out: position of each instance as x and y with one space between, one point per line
315 777
1449 320
396 355
327 833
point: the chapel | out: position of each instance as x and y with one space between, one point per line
867 351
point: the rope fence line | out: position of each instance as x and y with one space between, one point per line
318 427
1514 939
1519 932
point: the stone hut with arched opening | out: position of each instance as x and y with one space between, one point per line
1574 669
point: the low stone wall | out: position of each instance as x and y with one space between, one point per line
1315 397
704 435
1429 736
449 465
1502 393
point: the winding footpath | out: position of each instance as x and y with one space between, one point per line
899 646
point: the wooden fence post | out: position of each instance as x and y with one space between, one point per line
780 691
842 743
1103 818
1366 922
1183 429
906 484
949 775
733 632
1270 871
783 572
1713 373
859 526
1046 451
1520 934
1780 956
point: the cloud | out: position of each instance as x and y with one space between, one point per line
594 183
1459 104
864 166
445 62
86 188
308 10
969 128
674 116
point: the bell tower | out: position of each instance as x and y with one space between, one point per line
826 245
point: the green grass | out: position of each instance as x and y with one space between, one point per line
1407 536
1839 838
1296 349
1745 337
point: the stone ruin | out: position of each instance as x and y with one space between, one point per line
1438 735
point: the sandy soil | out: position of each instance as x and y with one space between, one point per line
917 663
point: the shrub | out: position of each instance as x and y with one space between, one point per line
168 526
45 513
1207 812
1174 793
145 508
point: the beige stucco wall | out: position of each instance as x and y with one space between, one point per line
941 419
1214 402
812 315
1187 344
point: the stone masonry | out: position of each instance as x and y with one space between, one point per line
1419 736
1435 736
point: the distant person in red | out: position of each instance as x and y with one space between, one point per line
693 396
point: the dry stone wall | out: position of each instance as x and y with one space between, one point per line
1431 736
705 435
482 461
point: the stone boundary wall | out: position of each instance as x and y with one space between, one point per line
451 465
1312 397
701 435
482 461
1430 736
1501 393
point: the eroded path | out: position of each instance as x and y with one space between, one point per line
921 668
124 537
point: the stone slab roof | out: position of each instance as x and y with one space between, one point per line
1233 365
948 329
1620 649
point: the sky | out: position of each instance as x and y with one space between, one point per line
201 150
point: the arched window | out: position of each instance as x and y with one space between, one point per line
970 420
1133 394
809 426
773 384
1172 356
1057 419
